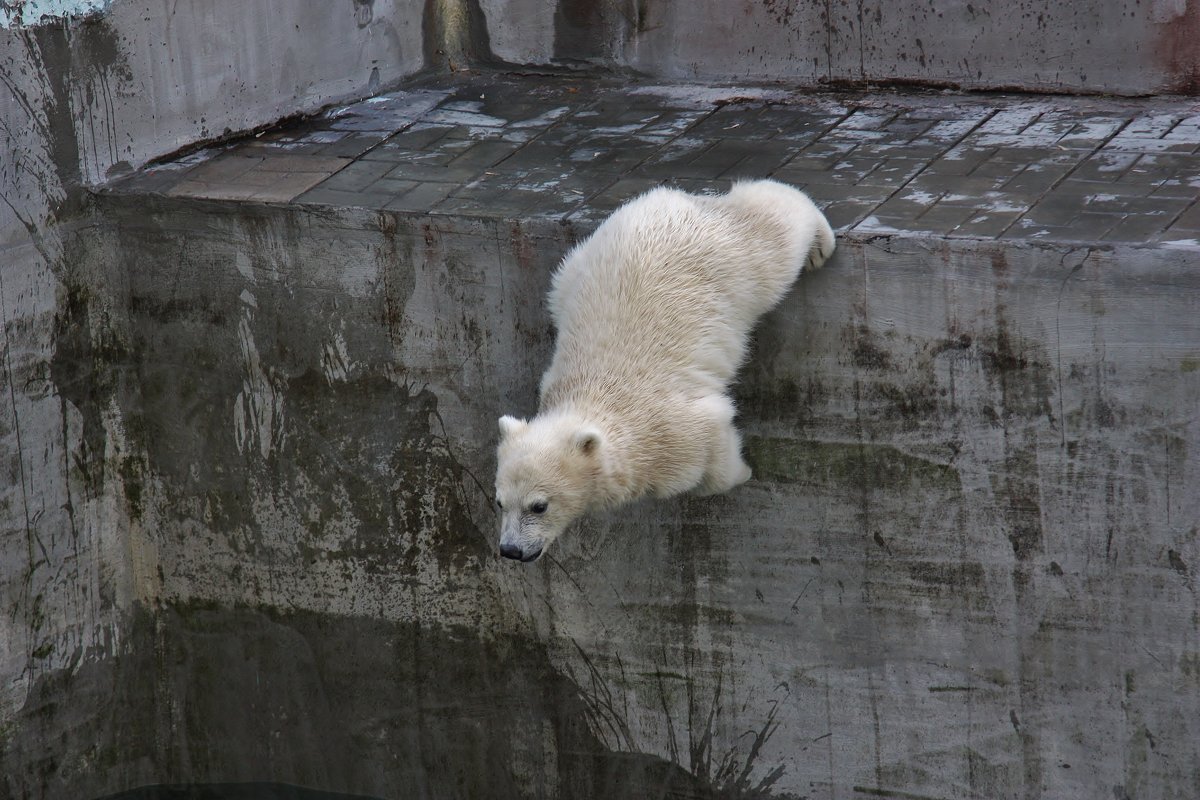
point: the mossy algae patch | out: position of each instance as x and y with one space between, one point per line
860 465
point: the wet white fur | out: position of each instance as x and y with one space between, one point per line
653 312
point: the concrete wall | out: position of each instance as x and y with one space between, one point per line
81 98
1114 46
966 567
245 459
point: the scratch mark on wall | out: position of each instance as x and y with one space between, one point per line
258 409
30 535
1062 419
335 359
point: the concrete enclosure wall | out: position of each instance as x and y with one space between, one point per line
246 452
82 98
1113 46
965 567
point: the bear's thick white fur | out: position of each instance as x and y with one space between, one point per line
653 312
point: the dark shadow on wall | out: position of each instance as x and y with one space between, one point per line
203 695
232 791
456 35
587 31
231 703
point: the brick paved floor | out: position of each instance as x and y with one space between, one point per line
984 166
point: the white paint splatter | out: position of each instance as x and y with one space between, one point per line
258 409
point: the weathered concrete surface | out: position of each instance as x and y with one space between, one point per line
143 79
317 598
359 706
575 147
245 453
966 567
82 99
1113 46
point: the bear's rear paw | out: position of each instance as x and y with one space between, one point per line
823 245
718 484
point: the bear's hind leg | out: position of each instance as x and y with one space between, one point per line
725 469
823 243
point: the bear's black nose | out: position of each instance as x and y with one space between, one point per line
511 551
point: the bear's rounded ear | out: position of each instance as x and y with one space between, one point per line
510 425
588 440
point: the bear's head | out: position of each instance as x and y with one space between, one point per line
546 477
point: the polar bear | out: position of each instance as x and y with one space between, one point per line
653 312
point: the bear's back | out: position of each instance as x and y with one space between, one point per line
668 286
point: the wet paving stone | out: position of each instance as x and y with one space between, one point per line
575 147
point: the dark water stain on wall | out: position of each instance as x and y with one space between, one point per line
1180 49
364 12
72 60
365 477
767 391
51 48
781 11
206 694
354 453
867 353
75 59
232 791
1021 377
85 365
850 465
456 35
419 472
585 30
478 37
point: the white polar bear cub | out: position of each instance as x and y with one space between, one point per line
653 312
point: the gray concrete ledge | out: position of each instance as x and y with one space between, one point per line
496 146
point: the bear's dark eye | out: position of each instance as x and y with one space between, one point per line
499 505
538 508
